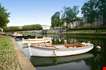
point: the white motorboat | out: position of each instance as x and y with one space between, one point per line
57 51
45 49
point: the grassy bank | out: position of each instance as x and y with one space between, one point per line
87 31
8 60
81 31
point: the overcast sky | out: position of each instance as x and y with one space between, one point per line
25 12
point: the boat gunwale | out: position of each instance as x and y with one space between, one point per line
63 49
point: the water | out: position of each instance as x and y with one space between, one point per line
62 63
94 60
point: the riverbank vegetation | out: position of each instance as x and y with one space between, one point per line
8 60
3 18
93 16
88 30
85 31
24 28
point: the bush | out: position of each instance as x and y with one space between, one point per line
24 28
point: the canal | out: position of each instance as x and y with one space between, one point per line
93 60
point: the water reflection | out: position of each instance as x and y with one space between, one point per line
63 63
42 61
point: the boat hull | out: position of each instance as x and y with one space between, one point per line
49 52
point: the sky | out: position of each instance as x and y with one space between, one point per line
26 12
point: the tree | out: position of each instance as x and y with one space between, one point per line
56 20
88 11
13 28
102 10
32 27
25 27
94 10
70 14
3 17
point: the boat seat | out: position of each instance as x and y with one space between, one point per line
74 45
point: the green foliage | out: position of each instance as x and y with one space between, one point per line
55 20
102 8
70 14
93 10
3 17
8 59
32 27
14 28
89 11
25 27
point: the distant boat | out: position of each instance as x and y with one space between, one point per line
46 49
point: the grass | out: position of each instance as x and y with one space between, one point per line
8 59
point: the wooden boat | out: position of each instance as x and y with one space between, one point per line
46 49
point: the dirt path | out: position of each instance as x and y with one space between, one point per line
23 61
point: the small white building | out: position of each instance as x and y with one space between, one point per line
45 27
